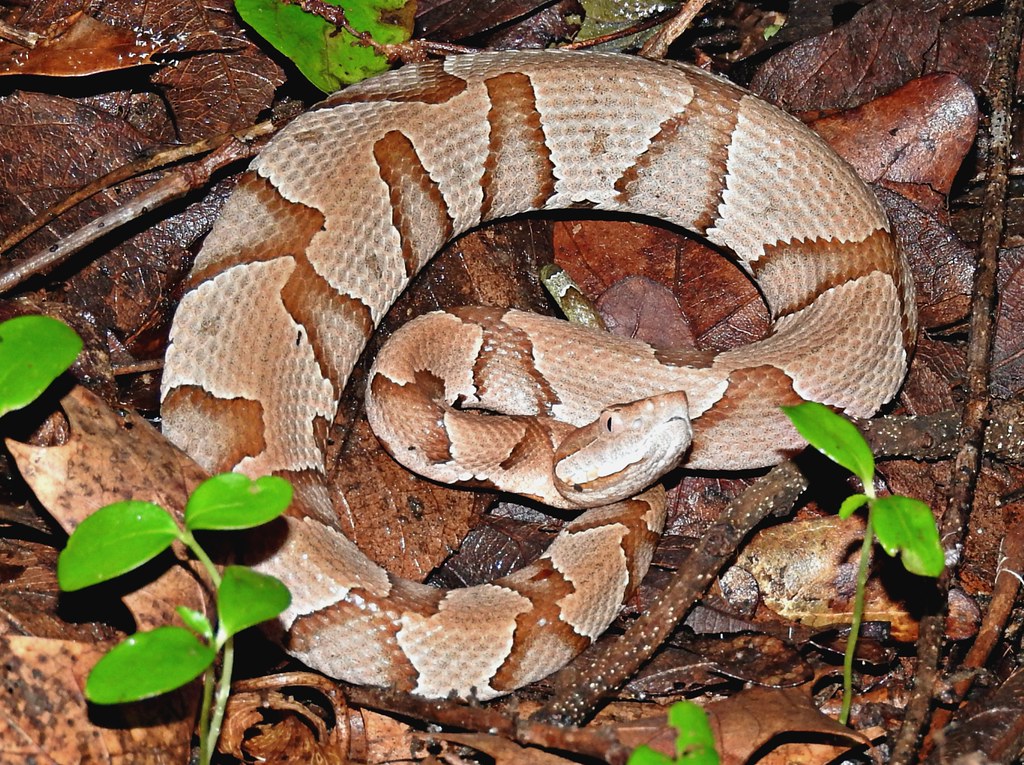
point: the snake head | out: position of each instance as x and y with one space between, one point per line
626 449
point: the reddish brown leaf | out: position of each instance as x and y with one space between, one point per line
943 266
746 722
882 47
110 458
459 19
86 46
219 79
640 308
51 146
917 135
720 304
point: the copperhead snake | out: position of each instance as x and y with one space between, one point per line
348 203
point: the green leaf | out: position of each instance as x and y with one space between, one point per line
148 664
246 598
835 437
906 526
197 622
232 501
113 541
852 504
695 744
34 350
644 755
331 58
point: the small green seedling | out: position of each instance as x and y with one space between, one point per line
34 350
903 526
695 744
121 537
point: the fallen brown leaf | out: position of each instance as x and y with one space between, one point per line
84 46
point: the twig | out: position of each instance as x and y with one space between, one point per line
632 29
123 173
412 51
1008 581
230 149
18 36
936 436
658 45
595 743
968 459
582 685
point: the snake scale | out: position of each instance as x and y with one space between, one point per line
348 203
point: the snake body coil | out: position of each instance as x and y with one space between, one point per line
351 200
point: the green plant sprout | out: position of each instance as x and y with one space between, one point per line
902 525
34 351
125 535
695 743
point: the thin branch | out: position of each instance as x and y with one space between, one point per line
412 51
967 463
130 170
582 685
632 29
230 149
658 45
18 36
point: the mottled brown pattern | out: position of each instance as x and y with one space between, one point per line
419 212
630 513
322 312
512 131
502 342
273 228
541 631
797 272
518 172
748 413
432 85
235 426
535 444
310 632
422 417
693 145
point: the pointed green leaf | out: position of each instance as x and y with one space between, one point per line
34 350
246 598
852 504
197 622
906 526
113 541
835 437
148 664
329 57
232 501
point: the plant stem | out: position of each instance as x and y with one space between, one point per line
200 553
210 721
858 612
205 745
223 690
